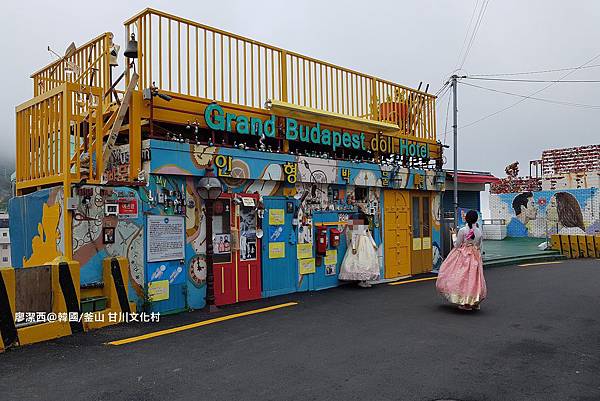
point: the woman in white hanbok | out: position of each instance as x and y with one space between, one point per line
360 262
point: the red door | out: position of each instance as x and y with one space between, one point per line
248 266
236 259
223 260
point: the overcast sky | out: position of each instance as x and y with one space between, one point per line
403 41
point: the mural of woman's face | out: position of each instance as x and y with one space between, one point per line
552 210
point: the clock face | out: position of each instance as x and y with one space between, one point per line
197 270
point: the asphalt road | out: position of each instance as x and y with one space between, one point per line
537 337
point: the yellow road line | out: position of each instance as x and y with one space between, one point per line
412 281
198 324
540 263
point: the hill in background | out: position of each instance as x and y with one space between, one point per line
7 167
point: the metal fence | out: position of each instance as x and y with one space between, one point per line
188 58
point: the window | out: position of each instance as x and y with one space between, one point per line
221 231
5 259
4 246
4 234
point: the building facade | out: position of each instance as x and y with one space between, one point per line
303 150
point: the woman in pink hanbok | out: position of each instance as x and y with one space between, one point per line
460 279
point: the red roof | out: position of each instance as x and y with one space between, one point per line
474 178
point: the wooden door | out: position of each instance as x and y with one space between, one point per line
421 251
396 233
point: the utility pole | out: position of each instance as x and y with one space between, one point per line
455 129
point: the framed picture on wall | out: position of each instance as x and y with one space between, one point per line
108 235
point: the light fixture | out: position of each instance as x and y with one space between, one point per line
209 186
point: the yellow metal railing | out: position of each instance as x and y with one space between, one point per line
183 56
89 64
57 134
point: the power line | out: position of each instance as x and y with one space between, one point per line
445 86
475 30
462 48
446 125
535 80
588 106
532 94
533 72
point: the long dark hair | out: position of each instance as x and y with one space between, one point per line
569 212
471 218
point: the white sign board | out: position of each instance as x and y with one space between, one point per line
165 238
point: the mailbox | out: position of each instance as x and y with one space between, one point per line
321 240
334 237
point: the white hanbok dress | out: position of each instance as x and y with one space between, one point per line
360 262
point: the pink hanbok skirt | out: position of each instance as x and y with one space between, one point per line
460 279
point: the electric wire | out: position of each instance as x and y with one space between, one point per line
586 106
462 48
446 124
533 72
475 30
534 80
530 95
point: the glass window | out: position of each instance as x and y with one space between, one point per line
416 213
248 241
5 259
4 246
221 231
426 231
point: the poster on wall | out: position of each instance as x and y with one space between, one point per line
221 244
331 257
276 250
305 251
427 243
128 208
166 238
330 270
248 241
158 290
247 248
276 217
306 266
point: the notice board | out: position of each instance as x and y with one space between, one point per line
165 238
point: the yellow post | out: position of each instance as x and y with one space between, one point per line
283 66
565 245
583 249
574 246
374 106
135 135
66 159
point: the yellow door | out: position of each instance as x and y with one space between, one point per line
396 233
420 230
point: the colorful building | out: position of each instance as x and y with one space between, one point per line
560 196
109 165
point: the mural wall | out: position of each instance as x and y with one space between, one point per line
36 227
113 220
533 214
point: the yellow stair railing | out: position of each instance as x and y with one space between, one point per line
189 58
